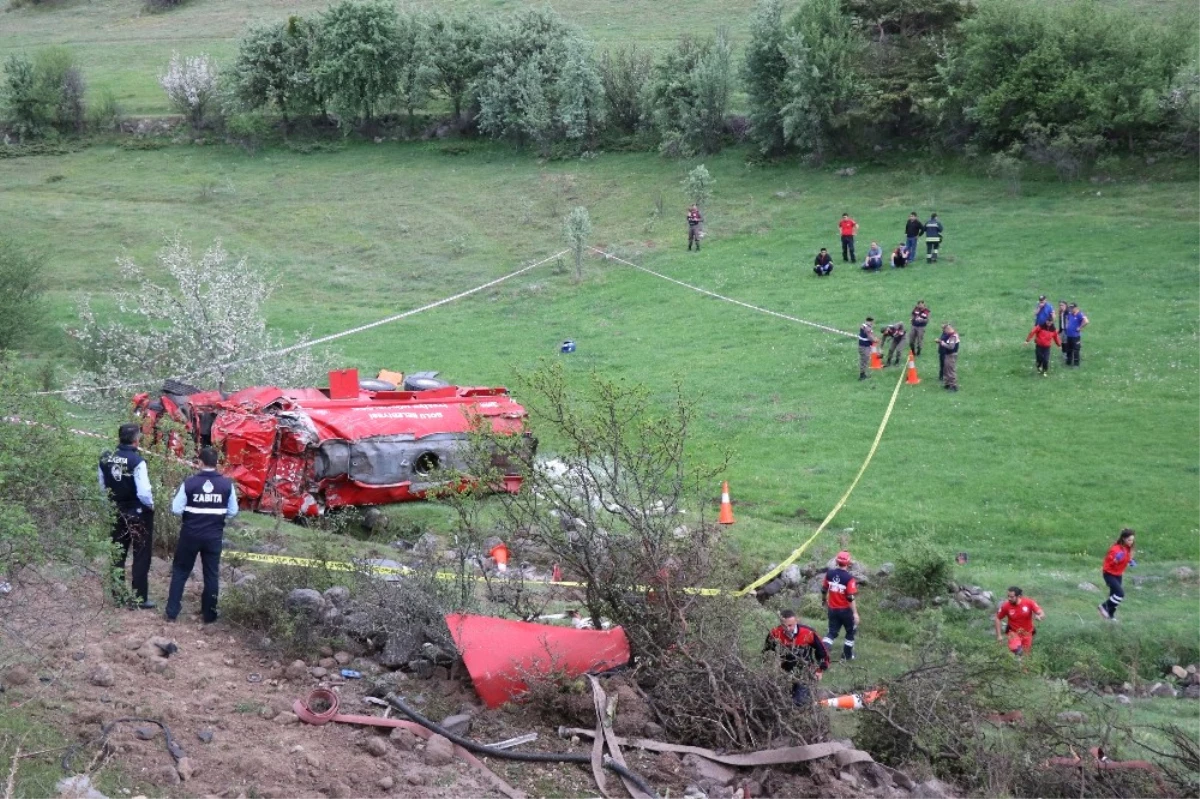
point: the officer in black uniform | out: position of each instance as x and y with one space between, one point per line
124 476
205 501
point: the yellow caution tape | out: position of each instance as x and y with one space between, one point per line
796 553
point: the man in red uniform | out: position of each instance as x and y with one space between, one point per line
1019 613
838 591
799 650
1118 559
1045 335
848 227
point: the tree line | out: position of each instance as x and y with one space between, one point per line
1021 78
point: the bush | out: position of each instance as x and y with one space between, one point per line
43 96
690 95
356 60
625 75
22 286
275 69
106 114
191 87
922 570
156 6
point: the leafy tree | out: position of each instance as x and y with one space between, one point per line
208 323
357 59
274 69
581 111
22 284
513 102
1077 70
577 229
821 86
625 75
904 41
43 95
457 42
764 71
417 66
690 95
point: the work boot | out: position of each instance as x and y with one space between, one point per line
146 604
862 375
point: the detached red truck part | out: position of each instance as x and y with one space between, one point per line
300 452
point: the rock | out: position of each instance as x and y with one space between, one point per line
102 676
1192 691
1086 586
401 647
426 545
339 790
331 616
336 595
848 778
1180 672
414 778
342 658
386 783
815 584
312 759
906 603
932 789
847 172
791 575
185 768
167 775
1072 717
318 672
653 731
1163 690
146 733
885 570
376 746
305 600
267 712
287 717
205 736
459 724
1123 700
421 667
980 602
18 674
439 751
327 663
296 670
698 770
403 739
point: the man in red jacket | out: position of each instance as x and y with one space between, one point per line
800 650
1118 559
1045 335
1018 613
838 591
848 228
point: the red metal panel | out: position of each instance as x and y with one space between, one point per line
343 384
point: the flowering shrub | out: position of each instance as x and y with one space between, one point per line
191 86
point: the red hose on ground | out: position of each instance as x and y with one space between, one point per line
303 709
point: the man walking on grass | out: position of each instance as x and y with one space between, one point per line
838 591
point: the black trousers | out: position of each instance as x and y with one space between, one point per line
848 248
941 365
133 531
1071 349
1041 356
838 620
1116 594
209 550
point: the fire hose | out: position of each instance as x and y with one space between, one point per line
527 757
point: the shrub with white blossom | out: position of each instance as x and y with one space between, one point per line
206 326
191 86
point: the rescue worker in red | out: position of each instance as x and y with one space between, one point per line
838 592
1018 612
1118 559
800 652
1043 336
694 220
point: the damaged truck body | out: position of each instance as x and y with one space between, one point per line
300 452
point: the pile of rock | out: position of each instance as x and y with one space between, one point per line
966 597
1187 683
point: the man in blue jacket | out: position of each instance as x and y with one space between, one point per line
1073 324
205 501
124 477
1043 313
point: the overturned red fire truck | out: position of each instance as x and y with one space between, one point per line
300 452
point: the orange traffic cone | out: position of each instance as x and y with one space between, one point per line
912 378
876 361
499 554
726 516
852 701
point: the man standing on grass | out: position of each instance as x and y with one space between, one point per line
1018 613
866 340
1043 313
920 318
694 220
124 476
848 227
205 501
933 238
912 230
800 650
838 591
948 352
1073 324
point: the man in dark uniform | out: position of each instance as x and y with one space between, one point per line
866 340
800 649
205 501
838 591
933 238
695 231
920 318
124 476
893 334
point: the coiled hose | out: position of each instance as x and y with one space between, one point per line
505 754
